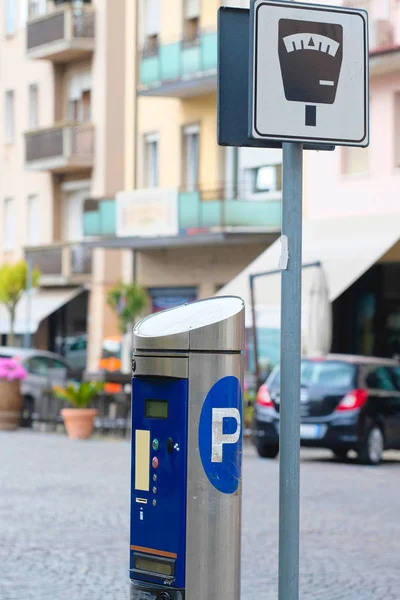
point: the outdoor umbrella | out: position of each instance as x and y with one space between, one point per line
319 331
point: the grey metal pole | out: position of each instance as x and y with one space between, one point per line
28 292
289 472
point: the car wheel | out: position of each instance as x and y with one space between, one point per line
266 450
27 412
372 448
341 454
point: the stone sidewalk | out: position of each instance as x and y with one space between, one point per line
64 523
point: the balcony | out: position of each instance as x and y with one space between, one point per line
63 35
168 213
61 264
63 148
99 218
181 69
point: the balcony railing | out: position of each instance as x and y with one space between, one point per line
62 35
60 264
208 210
62 148
180 69
99 218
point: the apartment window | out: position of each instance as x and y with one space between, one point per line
10 13
9 224
190 157
33 94
80 98
265 179
36 8
152 25
191 24
9 116
151 161
33 225
354 161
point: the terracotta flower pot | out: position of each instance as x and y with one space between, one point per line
78 422
10 404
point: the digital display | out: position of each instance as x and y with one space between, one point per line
153 566
155 409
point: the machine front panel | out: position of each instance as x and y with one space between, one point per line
159 471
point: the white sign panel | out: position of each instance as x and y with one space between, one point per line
310 74
147 213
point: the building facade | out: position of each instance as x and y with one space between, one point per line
194 214
62 95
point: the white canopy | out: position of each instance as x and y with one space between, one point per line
43 304
346 247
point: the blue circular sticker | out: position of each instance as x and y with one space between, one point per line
220 435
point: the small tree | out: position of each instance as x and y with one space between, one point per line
13 280
128 301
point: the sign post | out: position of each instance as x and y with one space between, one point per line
289 446
307 88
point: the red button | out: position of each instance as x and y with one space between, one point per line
154 462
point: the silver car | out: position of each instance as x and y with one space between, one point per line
44 369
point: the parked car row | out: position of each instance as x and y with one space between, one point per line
347 403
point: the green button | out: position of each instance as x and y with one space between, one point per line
155 444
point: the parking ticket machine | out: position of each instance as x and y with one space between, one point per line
186 452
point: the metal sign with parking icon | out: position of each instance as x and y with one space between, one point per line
309 73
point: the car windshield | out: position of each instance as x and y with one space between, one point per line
111 349
332 374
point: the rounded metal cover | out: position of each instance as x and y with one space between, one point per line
214 324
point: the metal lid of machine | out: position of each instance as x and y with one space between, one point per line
214 324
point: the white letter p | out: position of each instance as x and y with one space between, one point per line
218 438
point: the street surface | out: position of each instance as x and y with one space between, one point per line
64 519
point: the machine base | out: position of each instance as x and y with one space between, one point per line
139 590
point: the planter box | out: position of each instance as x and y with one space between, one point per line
10 404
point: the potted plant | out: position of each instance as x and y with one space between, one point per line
79 420
11 375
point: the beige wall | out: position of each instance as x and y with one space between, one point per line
205 268
16 73
102 322
167 117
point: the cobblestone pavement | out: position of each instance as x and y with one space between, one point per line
64 515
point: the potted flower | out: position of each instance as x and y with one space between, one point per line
79 420
11 375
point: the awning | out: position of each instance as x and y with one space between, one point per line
346 247
43 304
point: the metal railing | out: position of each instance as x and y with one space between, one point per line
64 261
64 140
62 24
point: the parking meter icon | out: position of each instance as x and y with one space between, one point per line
310 56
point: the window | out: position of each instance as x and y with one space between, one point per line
9 116
10 6
330 374
191 23
37 8
39 365
57 364
33 228
190 157
33 93
151 161
80 98
266 179
354 161
9 224
379 378
152 24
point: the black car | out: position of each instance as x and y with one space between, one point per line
347 403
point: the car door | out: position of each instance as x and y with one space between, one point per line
396 407
383 398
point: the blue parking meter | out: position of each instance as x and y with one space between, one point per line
186 452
